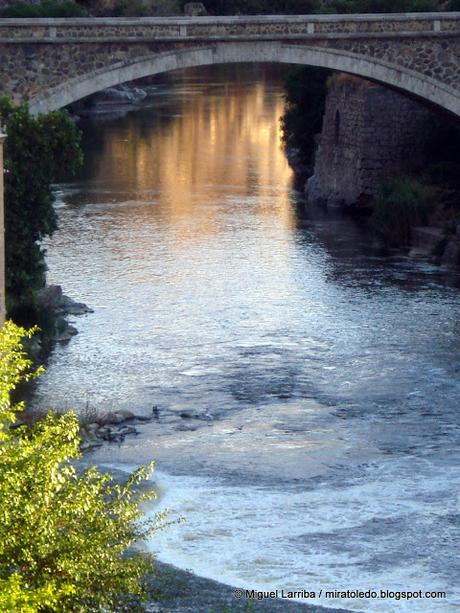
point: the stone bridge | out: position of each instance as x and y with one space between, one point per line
52 62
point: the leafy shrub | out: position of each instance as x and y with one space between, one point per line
38 151
64 533
47 8
401 203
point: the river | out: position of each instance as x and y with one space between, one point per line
308 385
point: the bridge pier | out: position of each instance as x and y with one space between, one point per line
2 234
369 134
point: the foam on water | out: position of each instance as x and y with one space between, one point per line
368 534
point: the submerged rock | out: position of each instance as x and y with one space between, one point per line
125 430
64 335
88 445
117 417
94 434
125 94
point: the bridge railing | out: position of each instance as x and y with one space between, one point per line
239 28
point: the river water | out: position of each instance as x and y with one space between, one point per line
307 385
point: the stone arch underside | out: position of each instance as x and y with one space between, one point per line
341 60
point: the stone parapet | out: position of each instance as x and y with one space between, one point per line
179 28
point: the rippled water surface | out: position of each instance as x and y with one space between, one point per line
308 387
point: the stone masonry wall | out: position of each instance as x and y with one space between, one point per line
53 62
369 132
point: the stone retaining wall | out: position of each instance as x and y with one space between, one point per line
369 132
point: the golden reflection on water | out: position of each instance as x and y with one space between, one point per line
213 146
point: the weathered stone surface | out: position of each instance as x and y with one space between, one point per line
369 132
120 417
110 428
122 94
65 334
427 240
92 428
87 445
195 9
125 430
50 297
116 417
451 255
314 193
70 307
52 63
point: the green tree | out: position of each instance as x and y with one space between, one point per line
39 151
306 89
47 8
64 533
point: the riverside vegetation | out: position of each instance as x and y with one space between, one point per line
38 152
428 195
141 8
67 534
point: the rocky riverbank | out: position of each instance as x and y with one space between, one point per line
180 591
52 313
111 427
369 133
440 246
55 307
379 149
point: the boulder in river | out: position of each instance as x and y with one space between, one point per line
70 307
65 334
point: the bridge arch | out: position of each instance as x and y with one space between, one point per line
341 60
